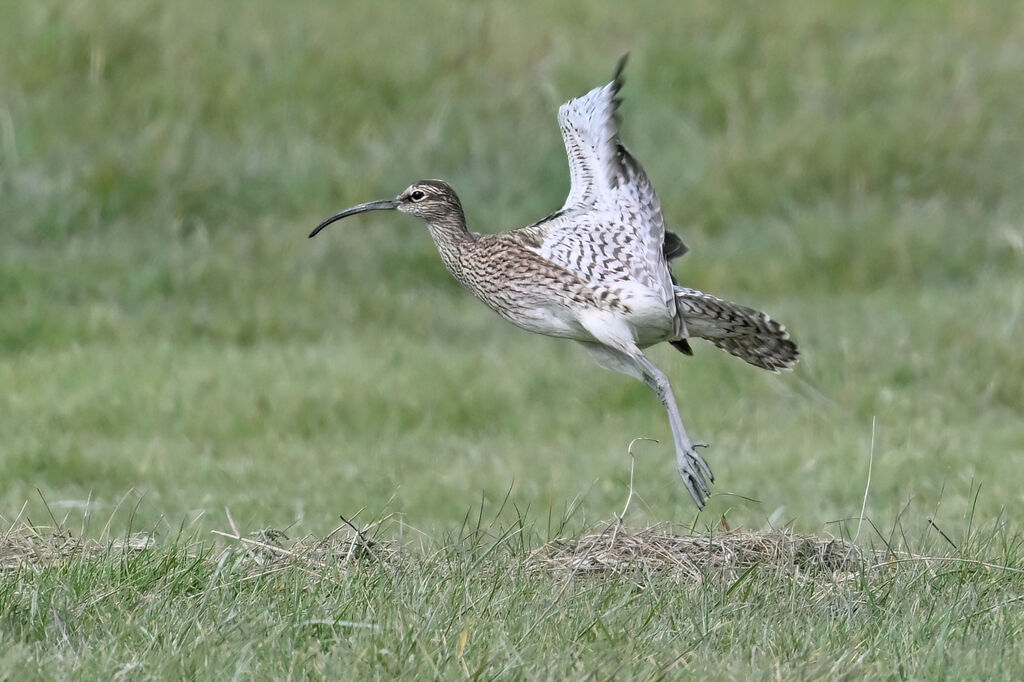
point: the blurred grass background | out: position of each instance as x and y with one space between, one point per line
167 331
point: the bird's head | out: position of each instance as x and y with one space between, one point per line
432 200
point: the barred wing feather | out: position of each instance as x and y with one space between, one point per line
611 226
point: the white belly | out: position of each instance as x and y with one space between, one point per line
647 322
548 320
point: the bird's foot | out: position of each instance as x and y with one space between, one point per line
695 472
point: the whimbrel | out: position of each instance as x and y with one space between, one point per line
597 270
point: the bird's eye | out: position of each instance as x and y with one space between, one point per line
417 195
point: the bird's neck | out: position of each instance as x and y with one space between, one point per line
452 238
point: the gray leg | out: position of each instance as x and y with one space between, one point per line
695 472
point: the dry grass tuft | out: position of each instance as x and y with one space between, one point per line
26 544
272 548
618 549
261 552
269 550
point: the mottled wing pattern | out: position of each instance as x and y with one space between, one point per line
590 130
611 228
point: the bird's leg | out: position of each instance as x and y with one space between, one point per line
695 472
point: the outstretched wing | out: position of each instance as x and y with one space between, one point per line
590 129
611 226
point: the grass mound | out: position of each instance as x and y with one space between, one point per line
27 544
262 551
346 545
658 549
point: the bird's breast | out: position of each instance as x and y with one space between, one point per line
540 296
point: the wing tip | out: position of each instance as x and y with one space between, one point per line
618 80
613 87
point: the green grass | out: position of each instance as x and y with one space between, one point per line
171 344
473 609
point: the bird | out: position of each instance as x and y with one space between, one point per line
596 271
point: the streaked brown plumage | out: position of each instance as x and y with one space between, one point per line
597 270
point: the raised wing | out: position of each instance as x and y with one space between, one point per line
590 129
611 227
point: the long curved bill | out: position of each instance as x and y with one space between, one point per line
382 205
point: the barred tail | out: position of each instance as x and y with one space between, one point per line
744 332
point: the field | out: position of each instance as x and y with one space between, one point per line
178 362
